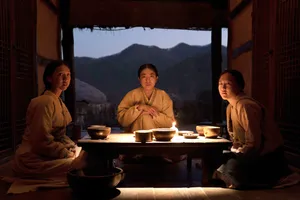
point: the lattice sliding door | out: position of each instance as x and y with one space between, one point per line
17 69
6 143
25 41
288 75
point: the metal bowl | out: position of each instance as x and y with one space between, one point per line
98 132
143 136
88 181
211 131
200 129
163 134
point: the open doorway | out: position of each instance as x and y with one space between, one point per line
106 64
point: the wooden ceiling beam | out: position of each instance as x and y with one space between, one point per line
153 14
51 6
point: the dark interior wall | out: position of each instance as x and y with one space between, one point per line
272 69
47 38
240 35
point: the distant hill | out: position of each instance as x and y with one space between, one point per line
88 93
184 70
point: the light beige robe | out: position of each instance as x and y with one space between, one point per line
132 119
250 126
42 153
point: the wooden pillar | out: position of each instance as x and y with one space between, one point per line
216 66
13 73
229 40
68 55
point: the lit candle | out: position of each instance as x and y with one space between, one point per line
174 127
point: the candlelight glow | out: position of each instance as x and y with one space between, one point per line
77 151
174 127
173 124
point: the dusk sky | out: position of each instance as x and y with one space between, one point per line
103 43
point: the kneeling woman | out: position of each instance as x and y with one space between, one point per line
46 151
257 158
147 107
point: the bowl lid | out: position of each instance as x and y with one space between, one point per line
212 127
95 125
163 129
99 128
143 131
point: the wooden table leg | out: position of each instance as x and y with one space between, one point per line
189 163
209 164
100 161
110 163
189 170
206 173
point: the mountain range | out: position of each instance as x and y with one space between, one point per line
184 70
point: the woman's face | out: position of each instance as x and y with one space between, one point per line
60 79
228 87
148 79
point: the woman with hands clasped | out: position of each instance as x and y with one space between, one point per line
46 151
146 107
257 156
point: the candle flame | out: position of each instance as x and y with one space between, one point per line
173 124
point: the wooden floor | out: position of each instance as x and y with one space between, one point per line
168 181
198 193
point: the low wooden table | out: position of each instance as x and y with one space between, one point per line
209 150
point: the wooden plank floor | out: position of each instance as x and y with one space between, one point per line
161 175
292 193
162 182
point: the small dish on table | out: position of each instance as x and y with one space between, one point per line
181 133
191 135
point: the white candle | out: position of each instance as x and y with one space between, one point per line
174 127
